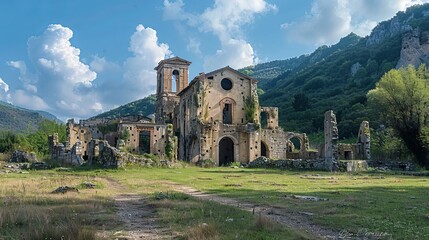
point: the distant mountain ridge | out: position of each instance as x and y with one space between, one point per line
20 120
141 107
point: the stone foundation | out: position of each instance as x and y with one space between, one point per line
298 164
111 157
392 165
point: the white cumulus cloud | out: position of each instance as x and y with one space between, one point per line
68 87
225 20
138 70
235 53
4 91
194 46
59 75
329 20
135 78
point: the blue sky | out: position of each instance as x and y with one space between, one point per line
77 58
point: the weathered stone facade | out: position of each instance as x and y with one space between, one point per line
218 117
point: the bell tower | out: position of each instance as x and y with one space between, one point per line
172 77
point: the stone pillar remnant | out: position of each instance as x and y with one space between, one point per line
331 141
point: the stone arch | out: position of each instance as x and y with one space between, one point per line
227 150
227 106
265 150
297 145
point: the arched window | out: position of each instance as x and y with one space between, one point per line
227 114
227 108
264 119
174 80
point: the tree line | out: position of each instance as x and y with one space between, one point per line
32 141
401 99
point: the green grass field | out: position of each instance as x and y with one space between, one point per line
374 205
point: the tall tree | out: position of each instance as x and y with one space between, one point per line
300 102
402 97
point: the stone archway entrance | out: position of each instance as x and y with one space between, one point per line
144 142
264 150
226 151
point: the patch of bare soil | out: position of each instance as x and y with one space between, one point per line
138 217
300 221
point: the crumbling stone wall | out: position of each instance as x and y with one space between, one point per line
21 156
272 114
157 136
82 132
276 141
303 151
111 157
63 156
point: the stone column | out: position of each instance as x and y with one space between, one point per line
331 141
364 138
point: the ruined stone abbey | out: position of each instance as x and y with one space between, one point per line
216 116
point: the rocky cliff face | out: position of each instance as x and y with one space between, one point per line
412 26
415 49
386 30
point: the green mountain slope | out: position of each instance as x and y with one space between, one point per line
142 107
327 80
20 120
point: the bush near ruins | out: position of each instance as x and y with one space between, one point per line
402 99
33 141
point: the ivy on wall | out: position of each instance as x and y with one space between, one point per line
250 108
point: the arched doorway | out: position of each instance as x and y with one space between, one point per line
226 151
264 150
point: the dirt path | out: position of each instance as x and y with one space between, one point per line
140 221
299 221
138 217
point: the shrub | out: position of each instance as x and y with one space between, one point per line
203 231
170 196
206 163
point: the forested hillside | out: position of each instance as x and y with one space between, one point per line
20 120
337 77
142 107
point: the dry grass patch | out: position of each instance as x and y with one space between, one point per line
265 223
28 209
203 231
